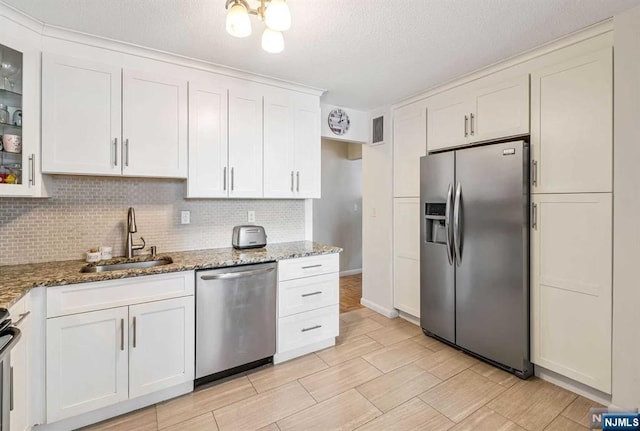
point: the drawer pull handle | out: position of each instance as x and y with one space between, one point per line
319 292
312 266
21 318
311 329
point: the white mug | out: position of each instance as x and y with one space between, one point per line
106 252
93 256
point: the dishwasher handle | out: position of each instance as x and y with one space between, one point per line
229 275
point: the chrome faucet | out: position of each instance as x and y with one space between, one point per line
131 229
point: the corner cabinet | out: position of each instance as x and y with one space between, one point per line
291 146
20 97
98 119
107 341
478 112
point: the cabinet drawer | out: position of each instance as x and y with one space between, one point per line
80 298
309 293
308 266
307 328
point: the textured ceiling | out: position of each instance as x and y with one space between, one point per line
366 53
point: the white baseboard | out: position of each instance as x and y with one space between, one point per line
573 386
351 272
409 318
104 413
391 313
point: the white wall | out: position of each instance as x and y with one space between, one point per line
337 217
626 203
377 222
358 128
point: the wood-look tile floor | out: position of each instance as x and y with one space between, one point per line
350 292
383 374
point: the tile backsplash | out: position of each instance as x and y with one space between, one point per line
87 212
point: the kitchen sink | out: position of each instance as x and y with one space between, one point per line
117 266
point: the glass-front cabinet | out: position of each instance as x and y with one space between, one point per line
12 167
19 110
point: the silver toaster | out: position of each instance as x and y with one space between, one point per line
248 236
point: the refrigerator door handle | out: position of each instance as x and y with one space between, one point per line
447 224
457 226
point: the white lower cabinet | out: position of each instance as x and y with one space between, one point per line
161 355
21 393
123 345
571 286
308 305
406 255
87 357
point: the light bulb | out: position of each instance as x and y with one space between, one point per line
272 41
238 22
277 16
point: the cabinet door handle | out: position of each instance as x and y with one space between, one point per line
122 335
311 328
534 174
304 295
135 332
466 126
312 266
472 117
115 150
224 178
298 181
291 180
126 158
32 169
11 389
232 179
21 318
534 216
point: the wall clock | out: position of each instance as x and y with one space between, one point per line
339 121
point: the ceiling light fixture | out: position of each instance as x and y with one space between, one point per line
274 13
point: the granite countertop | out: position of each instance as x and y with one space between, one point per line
17 280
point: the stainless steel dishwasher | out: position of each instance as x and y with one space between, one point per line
235 320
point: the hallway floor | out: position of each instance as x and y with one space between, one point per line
383 374
350 292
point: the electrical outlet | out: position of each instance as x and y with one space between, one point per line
373 212
251 216
185 217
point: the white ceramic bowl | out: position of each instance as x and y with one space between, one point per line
12 143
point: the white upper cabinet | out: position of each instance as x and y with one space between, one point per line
81 116
291 146
478 112
208 154
20 171
245 143
501 110
154 129
307 150
98 120
409 144
571 125
448 121
279 165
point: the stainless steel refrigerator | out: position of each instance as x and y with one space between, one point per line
474 273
